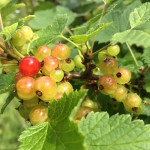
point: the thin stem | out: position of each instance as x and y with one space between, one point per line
104 9
17 52
95 53
9 52
28 47
132 54
4 58
1 22
63 37
8 65
68 30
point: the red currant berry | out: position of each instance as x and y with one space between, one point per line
25 88
120 93
64 87
45 88
61 51
109 65
38 114
42 52
123 76
49 64
107 84
132 102
29 66
82 112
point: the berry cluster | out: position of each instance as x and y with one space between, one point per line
41 79
45 76
113 81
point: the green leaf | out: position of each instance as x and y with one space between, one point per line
140 38
90 33
140 15
52 32
114 133
147 82
8 100
45 17
3 3
120 22
146 56
61 133
6 82
7 10
139 19
11 30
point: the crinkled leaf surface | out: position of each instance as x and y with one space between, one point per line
51 32
115 133
45 17
136 35
120 22
61 133
6 82
90 33
140 15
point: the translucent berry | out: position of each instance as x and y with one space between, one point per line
78 62
18 39
64 87
107 84
91 104
120 93
82 112
28 33
88 103
113 50
42 52
102 55
49 64
140 110
123 76
38 114
29 66
25 88
45 88
67 65
57 75
61 51
109 65
132 102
